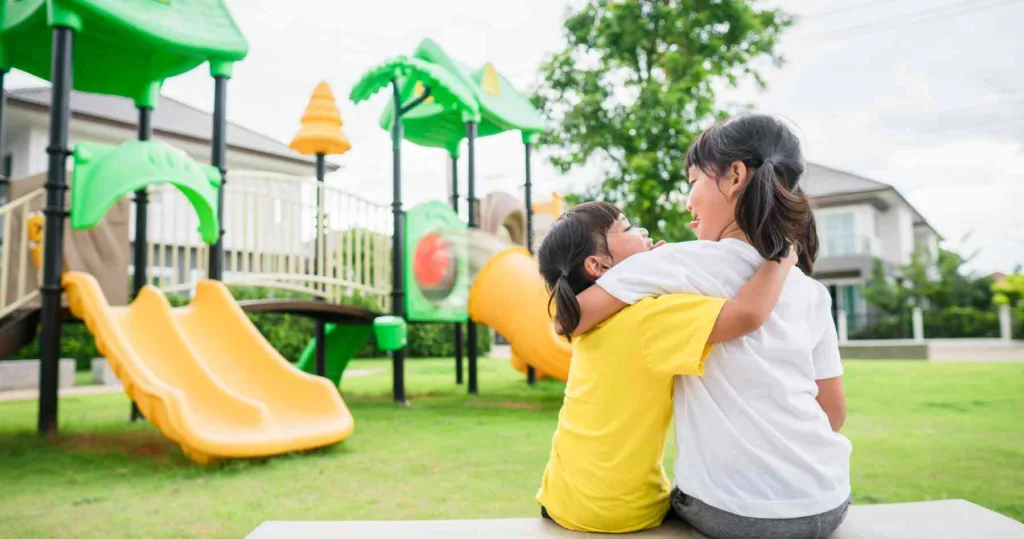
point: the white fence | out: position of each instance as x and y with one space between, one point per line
272 239
16 289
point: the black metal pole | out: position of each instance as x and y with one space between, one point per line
471 198
218 159
141 237
397 290
4 180
321 327
56 186
458 327
531 373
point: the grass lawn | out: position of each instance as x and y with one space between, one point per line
920 431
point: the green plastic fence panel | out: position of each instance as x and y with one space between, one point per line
436 264
104 173
124 48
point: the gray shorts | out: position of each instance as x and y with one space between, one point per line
719 524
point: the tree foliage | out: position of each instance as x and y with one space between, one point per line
936 284
634 85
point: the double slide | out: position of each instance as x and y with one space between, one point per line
206 377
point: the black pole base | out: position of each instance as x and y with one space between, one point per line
531 376
398 376
471 336
458 354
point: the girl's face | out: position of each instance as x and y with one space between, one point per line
624 241
712 200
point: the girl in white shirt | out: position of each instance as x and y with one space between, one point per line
759 453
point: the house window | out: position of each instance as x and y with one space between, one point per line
840 234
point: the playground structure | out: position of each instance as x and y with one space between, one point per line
202 373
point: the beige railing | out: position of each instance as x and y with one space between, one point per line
271 238
19 277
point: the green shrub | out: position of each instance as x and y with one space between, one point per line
433 340
950 323
961 322
287 333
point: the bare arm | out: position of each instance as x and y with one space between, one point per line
754 302
832 400
748 311
596 306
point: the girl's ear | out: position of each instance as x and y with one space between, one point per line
736 180
595 266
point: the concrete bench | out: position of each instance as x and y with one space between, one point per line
921 520
24 374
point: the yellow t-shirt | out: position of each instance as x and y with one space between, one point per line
605 472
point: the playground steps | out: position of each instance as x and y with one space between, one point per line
919 520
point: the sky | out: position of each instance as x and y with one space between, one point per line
919 94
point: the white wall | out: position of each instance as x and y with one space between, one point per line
171 219
35 153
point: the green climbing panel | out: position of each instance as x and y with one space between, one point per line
124 48
104 173
341 345
436 264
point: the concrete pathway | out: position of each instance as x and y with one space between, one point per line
33 394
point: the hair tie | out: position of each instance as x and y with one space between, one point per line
565 274
768 162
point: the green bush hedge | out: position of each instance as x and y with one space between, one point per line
286 332
951 323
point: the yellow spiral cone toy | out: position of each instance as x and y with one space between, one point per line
321 126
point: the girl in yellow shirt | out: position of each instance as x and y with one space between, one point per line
605 472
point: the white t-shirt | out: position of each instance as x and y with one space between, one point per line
751 438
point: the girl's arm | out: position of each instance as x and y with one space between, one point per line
748 311
828 365
832 400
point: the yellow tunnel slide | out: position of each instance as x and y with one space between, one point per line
509 296
206 377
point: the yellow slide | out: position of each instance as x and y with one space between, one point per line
509 296
206 377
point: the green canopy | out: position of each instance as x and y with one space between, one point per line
446 93
123 48
501 107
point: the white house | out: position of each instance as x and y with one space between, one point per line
860 220
113 120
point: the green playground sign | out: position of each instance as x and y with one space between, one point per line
436 264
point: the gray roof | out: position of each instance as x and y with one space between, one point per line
822 181
170 117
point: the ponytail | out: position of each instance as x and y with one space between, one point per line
807 243
576 235
772 210
567 307
773 216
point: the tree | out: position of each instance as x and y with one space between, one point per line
1009 291
633 87
938 283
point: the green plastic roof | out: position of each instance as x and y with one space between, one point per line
446 93
502 108
124 48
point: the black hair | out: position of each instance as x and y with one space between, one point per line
578 233
772 210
